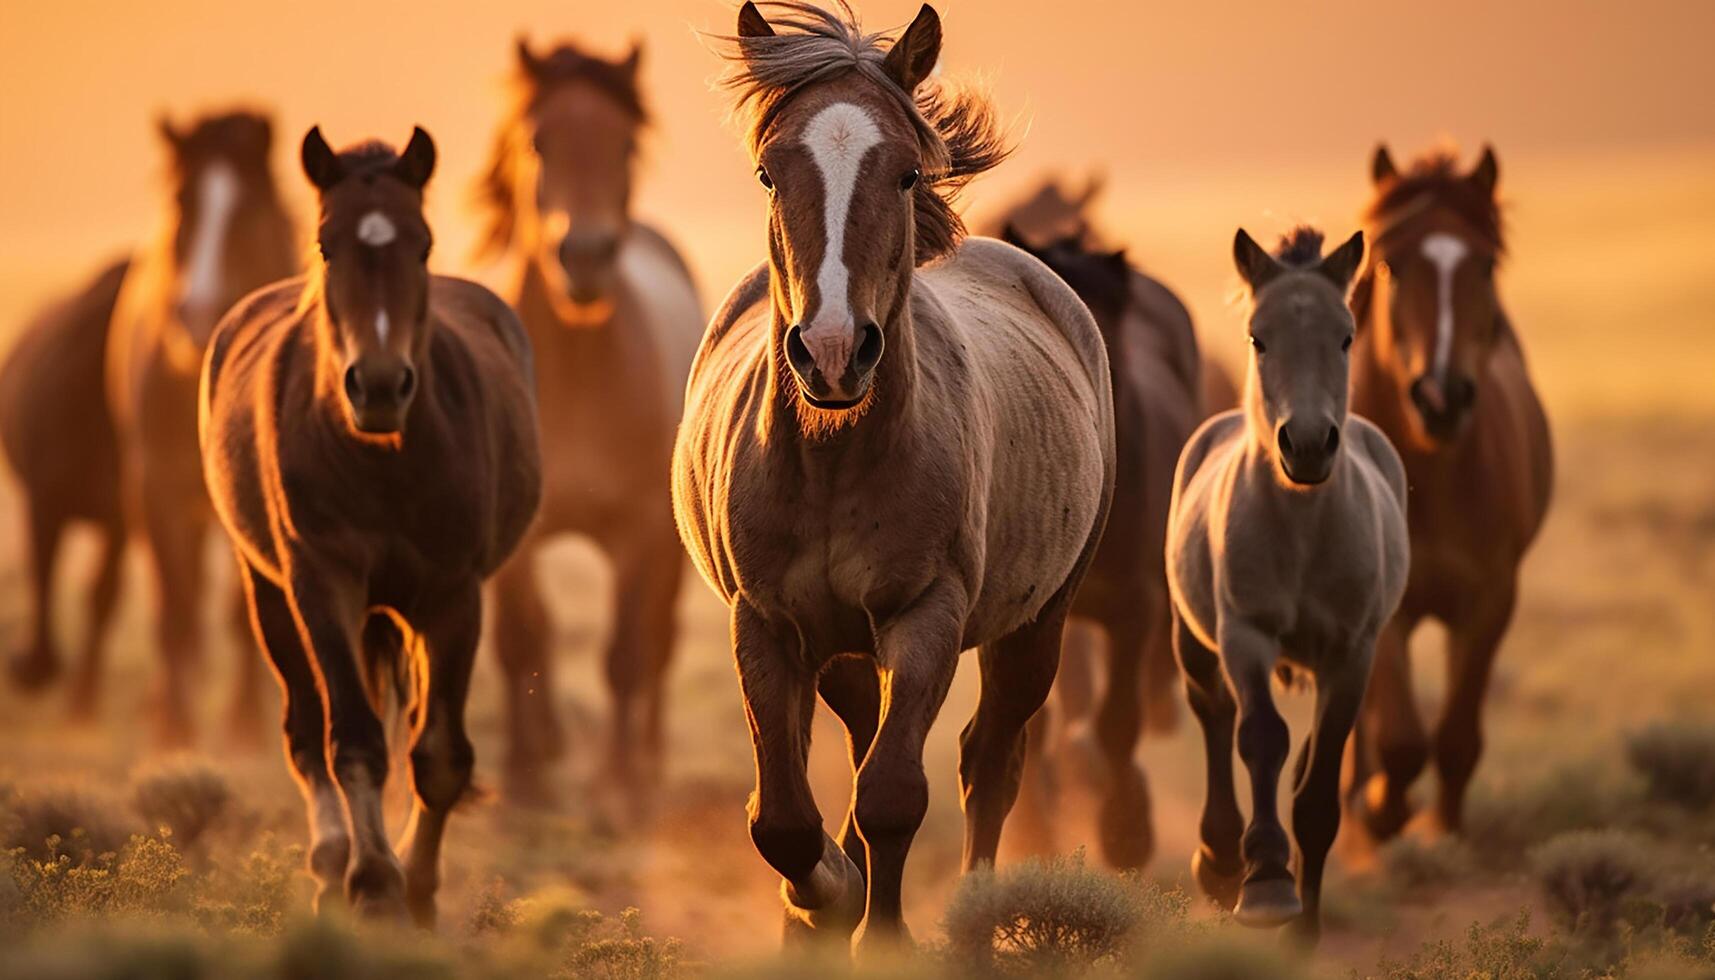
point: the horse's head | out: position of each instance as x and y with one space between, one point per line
374 247
563 168
1102 279
231 234
1430 298
1300 335
842 147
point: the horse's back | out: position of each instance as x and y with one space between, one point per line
663 281
55 425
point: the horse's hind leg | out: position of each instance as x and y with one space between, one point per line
441 753
38 664
1058 733
1392 746
851 688
1217 864
246 707
522 635
1017 674
103 598
1127 837
917 653
1459 737
175 538
822 889
646 585
305 729
1160 669
1316 797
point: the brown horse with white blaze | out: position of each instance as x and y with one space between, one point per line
232 237
882 462
1439 367
614 319
369 440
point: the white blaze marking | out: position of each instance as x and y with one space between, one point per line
217 195
1446 251
837 138
381 326
376 229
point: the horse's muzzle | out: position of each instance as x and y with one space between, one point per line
1445 409
379 392
1307 452
837 373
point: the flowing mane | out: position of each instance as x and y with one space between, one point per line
1434 180
563 65
957 132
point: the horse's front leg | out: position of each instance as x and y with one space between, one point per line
1316 799
1267 896
441 753
822 889
917 654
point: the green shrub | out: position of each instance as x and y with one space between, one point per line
1677 762
146 878
185 796
1502 951
1048 916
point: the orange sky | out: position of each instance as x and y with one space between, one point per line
1266 109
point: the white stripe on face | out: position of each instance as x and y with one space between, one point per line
217 196
381 326
1446 252
376 229
837 138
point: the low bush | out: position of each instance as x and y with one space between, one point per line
81 825
186 796
1677 762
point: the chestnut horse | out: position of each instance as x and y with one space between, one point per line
140 326
1440 369
614 319
1286 551
369 440
1153 364
881 463
231 235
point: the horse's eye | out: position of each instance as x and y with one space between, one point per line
1346 345
910 179
762 176
1256 344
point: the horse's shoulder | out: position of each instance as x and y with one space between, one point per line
248 319
741 301
1215 431
474 310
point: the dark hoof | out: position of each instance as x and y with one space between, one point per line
1268 903
844 895
420 901
33 670
1128 839
376 888
1220 885
328 860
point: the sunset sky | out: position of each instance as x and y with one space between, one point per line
1203 114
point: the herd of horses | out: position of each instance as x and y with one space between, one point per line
893 442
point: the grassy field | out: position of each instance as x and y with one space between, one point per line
1587 813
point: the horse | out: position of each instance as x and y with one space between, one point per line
58 436
614 318
1286 551
369 439
898 444
1441 370
229 235
1153 364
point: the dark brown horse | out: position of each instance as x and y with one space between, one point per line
1440 369
369 441
133 453
614 319
884 463
1153 363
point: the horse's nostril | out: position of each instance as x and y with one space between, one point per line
407 383
870 346
1284 440
1332 443
797 354
353 385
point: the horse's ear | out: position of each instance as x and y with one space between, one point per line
1488 172
1382 169
914 55
1116 261
1342 264
1012 236
1094 184
417 164
751 23
321 163
634 60
1256 267
528 63
169 133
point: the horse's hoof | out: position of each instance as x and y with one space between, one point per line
1128 840
1382 819
376 888
882 947
32 670
1268 903
836 917
328 860
1221 887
